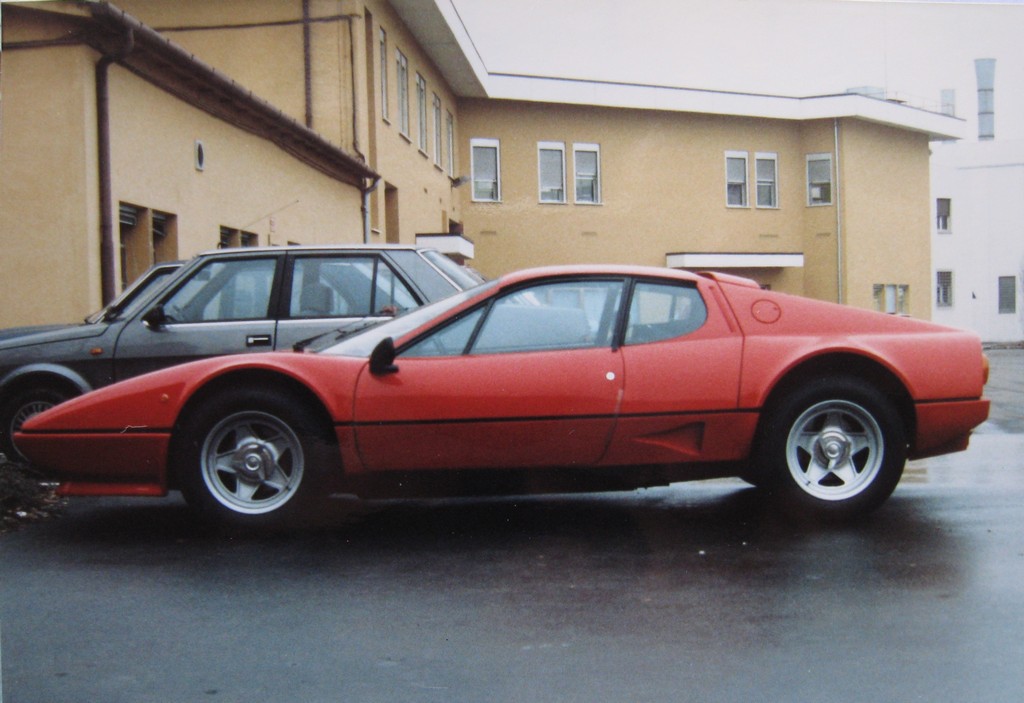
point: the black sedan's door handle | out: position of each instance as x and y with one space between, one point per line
258 340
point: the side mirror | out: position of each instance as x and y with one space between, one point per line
382 359
155 317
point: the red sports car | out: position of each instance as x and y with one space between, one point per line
550 380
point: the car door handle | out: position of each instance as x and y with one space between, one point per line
258 340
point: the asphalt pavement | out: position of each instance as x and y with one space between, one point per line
694 592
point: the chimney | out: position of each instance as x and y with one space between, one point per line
986 72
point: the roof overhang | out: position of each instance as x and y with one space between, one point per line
743 260
439 29
659 97
442 35
455 246
153 57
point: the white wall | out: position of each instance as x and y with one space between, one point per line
985 181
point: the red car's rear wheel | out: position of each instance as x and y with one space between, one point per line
834 448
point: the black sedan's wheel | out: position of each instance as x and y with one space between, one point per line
833 449
253 457
20 407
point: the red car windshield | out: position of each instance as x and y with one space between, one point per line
362 343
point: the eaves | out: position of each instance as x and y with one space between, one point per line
155 58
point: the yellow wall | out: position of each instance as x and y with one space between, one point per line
662 173
886 230
820 223
49 211
247 183
663 191
49 221
426 201
662 181
268 59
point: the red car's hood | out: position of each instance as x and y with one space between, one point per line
153 401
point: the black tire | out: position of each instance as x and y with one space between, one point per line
254 457
832 449
21 406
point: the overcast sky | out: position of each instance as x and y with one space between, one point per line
784 47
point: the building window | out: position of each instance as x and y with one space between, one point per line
892 298
551 170
736 178
237 238
147 237
766 168
819 179
943 212
421 111
1007 295
944 289
485 170
586 159
402 76
438 151
384 75
450 137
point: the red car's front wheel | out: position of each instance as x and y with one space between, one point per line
252 456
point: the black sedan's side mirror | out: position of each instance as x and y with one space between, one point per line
382 359
155 318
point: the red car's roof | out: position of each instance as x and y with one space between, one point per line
614 270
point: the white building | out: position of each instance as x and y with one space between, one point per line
978 231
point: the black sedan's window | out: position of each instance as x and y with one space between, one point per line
236 289
347 286
661 311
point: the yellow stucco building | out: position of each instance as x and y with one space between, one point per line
155 129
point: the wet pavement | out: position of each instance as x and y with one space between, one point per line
694 592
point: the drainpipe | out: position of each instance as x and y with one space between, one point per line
840 292
307 62
307 58
355 94
366 208
107 248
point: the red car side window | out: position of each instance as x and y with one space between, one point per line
662 311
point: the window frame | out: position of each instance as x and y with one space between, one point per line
385 112
900 298
422 128
438 149
586 147
558 147
450 137
811 185
943 220
485 143
773 158
1006 295
402 77
744 184
944 289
